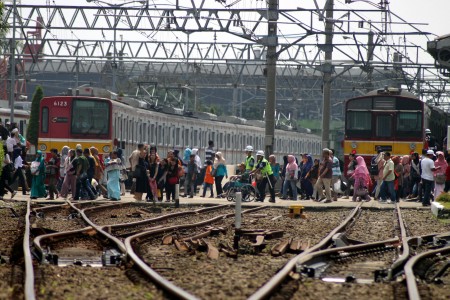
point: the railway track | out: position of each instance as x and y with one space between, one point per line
188 255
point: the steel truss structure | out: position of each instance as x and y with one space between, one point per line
218 44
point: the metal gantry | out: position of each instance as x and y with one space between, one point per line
370 46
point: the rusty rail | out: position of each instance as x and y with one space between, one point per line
411 282
160 280
270 286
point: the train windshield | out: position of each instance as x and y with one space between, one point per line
359 123
409 124
90 117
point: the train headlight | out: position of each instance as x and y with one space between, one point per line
42 147
354 145
412 146
106 149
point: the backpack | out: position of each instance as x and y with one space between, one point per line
373 167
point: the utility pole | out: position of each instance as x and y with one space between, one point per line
271 67
12 93
327 72
369 69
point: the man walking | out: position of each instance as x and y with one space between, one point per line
427 166
387 186
325 175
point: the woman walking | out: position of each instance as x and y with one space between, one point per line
70 180
362 179
6 175
38 173
304 181
439 174
172 178
219 170
291 178
113 168
140 173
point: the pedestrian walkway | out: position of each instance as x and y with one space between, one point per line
279 203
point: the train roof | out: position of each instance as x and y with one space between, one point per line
391 91
17 112
89 92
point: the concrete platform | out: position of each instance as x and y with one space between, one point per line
279 203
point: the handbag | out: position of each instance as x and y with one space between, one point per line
440 178
34 167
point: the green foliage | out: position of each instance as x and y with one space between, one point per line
33 127
4 26
443 198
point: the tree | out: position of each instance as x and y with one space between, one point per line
33 127
4 26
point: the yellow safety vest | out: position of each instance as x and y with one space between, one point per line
267 169
247 163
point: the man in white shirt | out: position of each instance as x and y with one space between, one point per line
387 186
427 166
134 159
11 142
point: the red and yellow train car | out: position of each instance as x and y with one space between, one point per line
72 120
391 119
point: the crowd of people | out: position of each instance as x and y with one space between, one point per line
84 174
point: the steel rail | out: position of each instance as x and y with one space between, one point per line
98 229
273 283
55 235
29 271
400 262
165 284
107 233
411 282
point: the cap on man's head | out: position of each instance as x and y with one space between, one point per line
427 130
260 153
430 152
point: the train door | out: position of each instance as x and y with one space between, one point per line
384 126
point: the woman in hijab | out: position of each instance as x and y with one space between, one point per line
414 176
362 179
113 168
123 172
304 181
38 173
219 173
406 178
440 172
70 180
62 170
99 170
291 178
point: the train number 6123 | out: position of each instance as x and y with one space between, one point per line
60 103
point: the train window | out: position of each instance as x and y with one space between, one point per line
383 125
159 135
90 117
409 124
177 136
195 144
186 137
358 123
44 120
221 140
360 103
228 141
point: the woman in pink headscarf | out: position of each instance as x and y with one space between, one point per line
440 172
362 179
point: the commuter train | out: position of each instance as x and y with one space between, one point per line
21 118
391 119
105 123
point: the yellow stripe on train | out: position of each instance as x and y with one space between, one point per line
104 146
369 147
